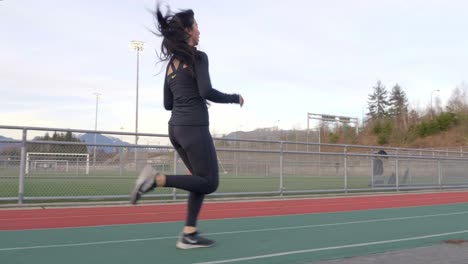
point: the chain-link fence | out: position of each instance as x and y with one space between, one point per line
63 167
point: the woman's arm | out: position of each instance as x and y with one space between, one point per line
168 97
204 83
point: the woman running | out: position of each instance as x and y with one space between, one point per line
187 88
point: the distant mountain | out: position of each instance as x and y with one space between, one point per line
100 139
87 138
8 145
5 138
258 134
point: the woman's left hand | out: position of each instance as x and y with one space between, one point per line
241 100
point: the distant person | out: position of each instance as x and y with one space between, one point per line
378 163
187 88
378 169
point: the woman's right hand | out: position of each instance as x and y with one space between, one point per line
241 100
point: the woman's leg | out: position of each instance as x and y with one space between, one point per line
195 200
194 205
196 149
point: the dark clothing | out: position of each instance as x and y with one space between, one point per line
186 94
196 149
378 166
378 163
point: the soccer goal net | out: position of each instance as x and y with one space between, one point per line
60 163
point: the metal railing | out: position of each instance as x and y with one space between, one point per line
48 171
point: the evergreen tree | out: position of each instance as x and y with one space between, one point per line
68 136
57 148
378 103
398 102
399 106
457 102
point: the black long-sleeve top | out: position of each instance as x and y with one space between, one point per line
186 94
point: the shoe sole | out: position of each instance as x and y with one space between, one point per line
136 194
181 245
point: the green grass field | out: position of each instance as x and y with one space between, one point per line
111 183
57 186
115 182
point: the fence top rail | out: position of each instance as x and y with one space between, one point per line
106 132
10 141
97 144
57 154
396 149
390 156
348 154
345 146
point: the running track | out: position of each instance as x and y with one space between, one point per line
20 219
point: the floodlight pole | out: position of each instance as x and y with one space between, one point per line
431 101
277 128
138 46
307 134
95 128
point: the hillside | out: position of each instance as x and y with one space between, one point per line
454 137
443 130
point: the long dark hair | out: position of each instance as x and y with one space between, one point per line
172 27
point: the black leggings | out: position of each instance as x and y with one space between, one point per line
195 147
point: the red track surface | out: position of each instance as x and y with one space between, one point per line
96 216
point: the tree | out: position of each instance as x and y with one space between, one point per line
378 103
399 106
398 102
68 136
57 148
457 102
55 136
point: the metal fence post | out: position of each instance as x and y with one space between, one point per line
281 189
22 168
372 171
346 169
397 181
120 160
439 172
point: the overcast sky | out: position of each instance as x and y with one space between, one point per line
287 58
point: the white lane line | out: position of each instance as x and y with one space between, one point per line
88 243
235 232
331 248
340 223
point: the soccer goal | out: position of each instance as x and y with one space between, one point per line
40 162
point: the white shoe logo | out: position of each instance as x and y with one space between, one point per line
191 241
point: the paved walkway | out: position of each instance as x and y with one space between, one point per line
437 254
